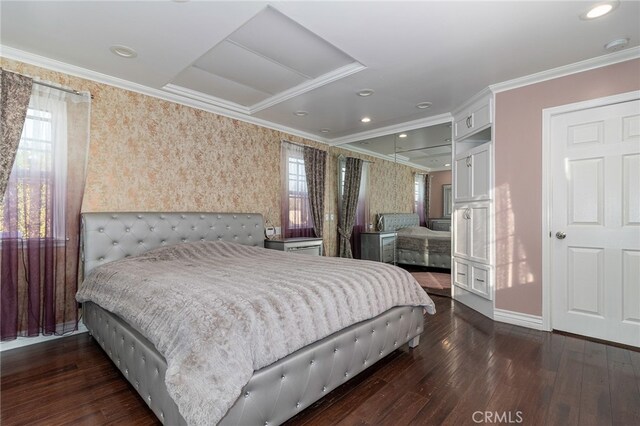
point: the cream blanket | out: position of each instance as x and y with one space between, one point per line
218 311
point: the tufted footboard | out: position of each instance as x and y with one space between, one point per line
276 392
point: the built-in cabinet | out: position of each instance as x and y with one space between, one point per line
473 118
473 178
473 205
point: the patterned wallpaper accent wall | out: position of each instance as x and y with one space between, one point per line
151 154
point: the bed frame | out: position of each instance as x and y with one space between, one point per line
394 221
274 393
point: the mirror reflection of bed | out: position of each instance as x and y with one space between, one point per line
423 251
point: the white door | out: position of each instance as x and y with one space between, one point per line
596 222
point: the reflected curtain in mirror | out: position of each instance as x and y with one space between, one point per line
40 216
348 208
15 92
420 205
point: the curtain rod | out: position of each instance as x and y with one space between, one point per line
72 91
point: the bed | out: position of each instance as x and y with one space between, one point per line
113 242
417 245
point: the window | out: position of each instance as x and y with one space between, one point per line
296 213
36 188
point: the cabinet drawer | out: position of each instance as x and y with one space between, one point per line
480 280
309 250
388 249
461 274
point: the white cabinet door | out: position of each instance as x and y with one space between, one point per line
462 185
479 232
473 174
472 233
595 285
473 119
461 235
481 173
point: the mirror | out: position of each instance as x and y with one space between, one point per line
416 175
447 202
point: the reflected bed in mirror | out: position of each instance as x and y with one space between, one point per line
415 244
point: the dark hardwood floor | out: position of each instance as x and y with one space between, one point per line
465 364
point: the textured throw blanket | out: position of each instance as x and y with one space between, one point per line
218 311
419 238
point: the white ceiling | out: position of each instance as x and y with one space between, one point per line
407 52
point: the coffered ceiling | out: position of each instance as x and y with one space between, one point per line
299 65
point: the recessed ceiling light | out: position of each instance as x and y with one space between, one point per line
325 130
447 140
599 9
424 105
365 92
364 143
616 45
301 113
365 119
447 165
402 135
123 51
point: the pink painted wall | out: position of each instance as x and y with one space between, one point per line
435 199
518 174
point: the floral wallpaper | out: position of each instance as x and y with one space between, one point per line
151 154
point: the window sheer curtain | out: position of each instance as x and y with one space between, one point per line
40 217
420 206
297 220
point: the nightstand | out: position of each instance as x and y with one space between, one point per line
311 246
378 246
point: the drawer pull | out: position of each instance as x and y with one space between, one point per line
461 273
478 279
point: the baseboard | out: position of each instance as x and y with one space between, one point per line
517 318
27 341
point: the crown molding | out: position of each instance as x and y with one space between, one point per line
388 130
480 95
204 98
300 89
305 87
53 65
577 67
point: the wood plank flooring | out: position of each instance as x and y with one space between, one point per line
465 364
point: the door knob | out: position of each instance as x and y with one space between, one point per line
561 235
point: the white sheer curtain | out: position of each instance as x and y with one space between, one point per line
420 206
40 216
296 215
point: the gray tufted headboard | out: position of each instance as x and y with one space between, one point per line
395 221
112 236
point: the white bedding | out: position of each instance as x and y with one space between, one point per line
218 311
